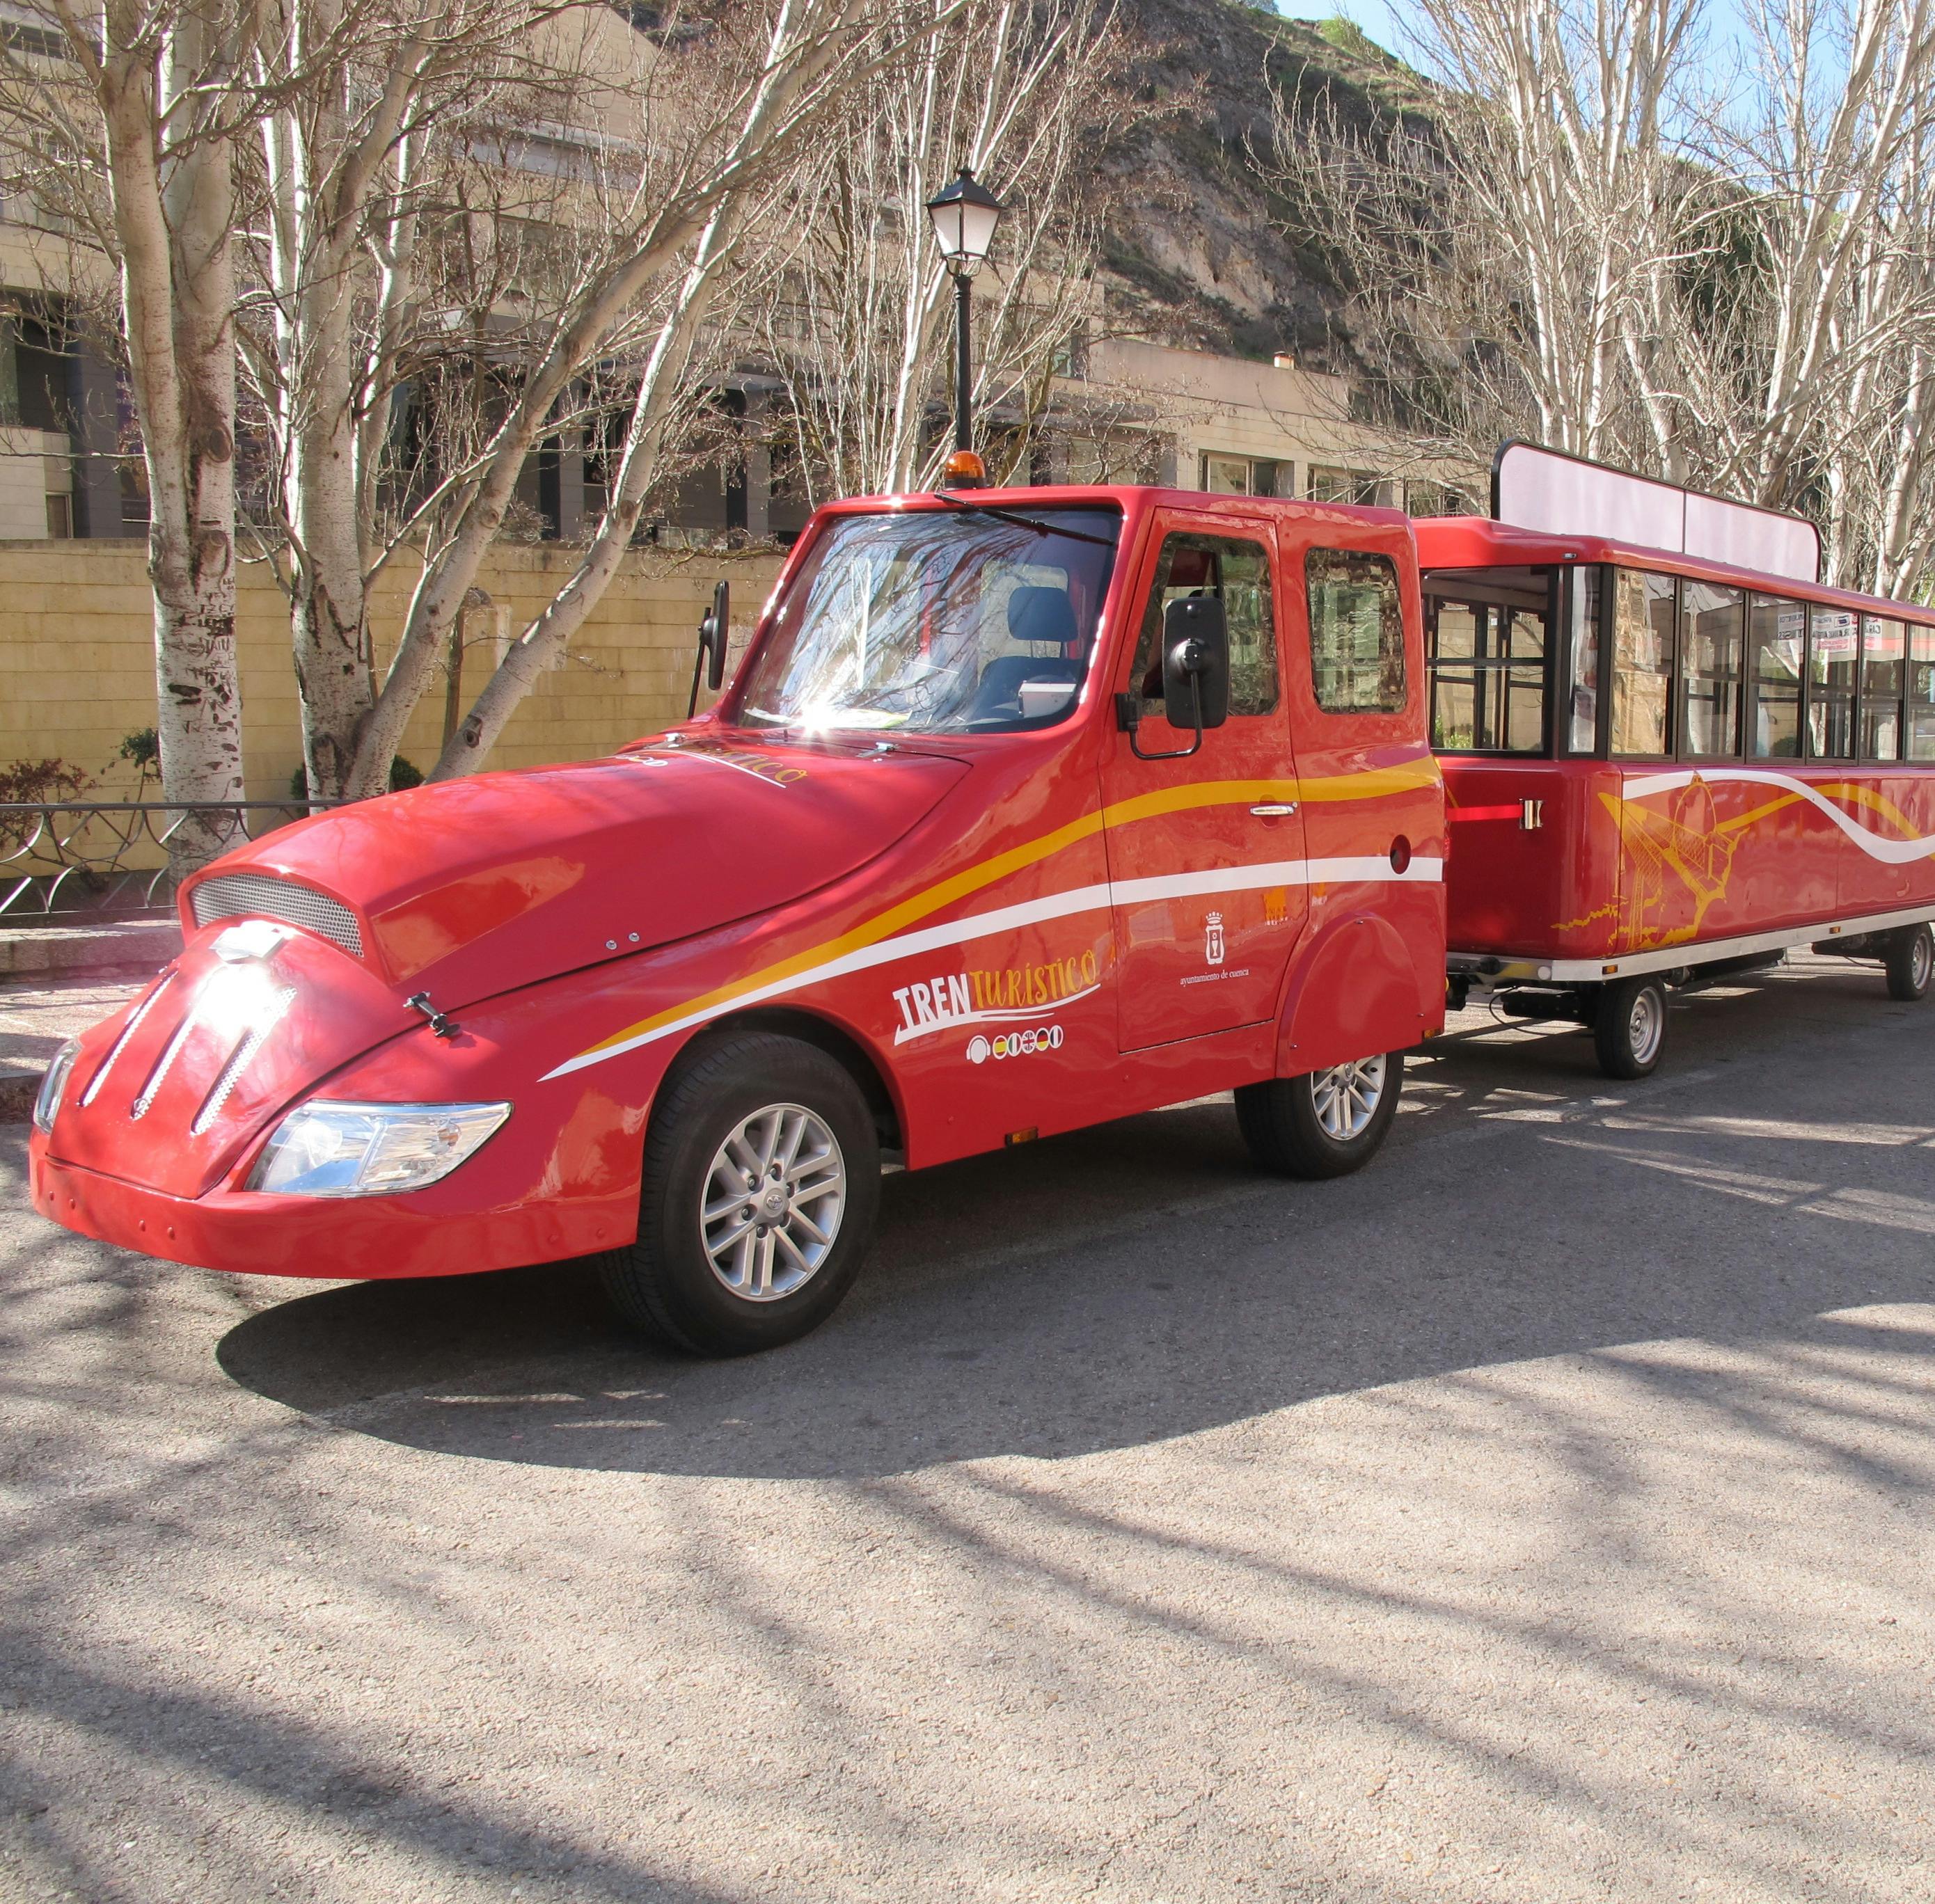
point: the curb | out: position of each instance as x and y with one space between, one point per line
67 951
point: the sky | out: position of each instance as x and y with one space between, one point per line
1376 17
1381 19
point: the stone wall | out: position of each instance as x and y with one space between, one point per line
76 656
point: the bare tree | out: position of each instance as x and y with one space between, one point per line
1585 241
380 135
858 330
1494 245
134 138
1814 365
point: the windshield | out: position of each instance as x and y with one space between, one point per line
937 622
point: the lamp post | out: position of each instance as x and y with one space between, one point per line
965 214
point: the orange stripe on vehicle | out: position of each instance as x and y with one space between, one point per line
1374 783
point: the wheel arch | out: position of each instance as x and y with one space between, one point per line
1356 992
840 1045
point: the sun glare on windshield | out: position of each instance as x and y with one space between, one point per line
922 622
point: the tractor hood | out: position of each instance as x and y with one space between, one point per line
471 888
304 947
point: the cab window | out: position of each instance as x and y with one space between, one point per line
1236 570
1356 631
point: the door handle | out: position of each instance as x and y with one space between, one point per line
1281 811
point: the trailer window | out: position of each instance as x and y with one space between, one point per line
1644 630
1883 677
1776 638
1357 631
1833 657
1583 736
935 622
1238 572
1920 692
1711 635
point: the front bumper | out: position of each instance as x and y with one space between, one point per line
423 1234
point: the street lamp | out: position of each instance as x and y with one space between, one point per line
964 216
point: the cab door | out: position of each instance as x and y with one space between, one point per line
1205 853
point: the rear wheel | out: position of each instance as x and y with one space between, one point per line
1325 1123
762 1179
1629 1027
1910 963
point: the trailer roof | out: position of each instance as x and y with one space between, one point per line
1478 543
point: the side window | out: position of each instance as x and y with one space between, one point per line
1643 627
1711 619
1356 631
1920 692
1237 571
1485 648
1884 659
1777 639
1833 653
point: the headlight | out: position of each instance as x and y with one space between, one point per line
371 1149
48 1101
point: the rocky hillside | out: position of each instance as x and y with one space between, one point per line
1195 254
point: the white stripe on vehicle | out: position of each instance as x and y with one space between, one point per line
1377 870
1891 852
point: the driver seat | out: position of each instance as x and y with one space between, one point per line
1043 615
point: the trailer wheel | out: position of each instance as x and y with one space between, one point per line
1325 1123
1910 962
1629 1027
762 1180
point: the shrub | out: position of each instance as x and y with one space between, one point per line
36 779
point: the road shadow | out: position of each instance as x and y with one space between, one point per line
1139 1280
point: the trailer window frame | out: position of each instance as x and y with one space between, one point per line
1476 588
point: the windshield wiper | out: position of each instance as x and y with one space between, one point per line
1024 522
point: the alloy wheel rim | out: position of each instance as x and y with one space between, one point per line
771 1209
1644 1027
1346 1097
1918 965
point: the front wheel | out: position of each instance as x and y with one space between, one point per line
762 1179
1629 1027
1325 1123
1910 963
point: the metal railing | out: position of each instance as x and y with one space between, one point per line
111 858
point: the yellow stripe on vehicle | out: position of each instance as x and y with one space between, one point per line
1373 784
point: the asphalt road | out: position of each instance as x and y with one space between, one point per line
1544 1515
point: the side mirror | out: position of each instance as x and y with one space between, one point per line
713 632
1195 675
1196 662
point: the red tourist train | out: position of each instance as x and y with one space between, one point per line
1026 810
1661 769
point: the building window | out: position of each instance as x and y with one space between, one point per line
60 516
1244 475
1428 498
1329 484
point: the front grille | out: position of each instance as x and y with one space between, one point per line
255 895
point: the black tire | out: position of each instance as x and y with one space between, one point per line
1282 1123
666 1284
1910 963
1629 1027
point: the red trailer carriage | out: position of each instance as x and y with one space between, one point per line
1662 768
